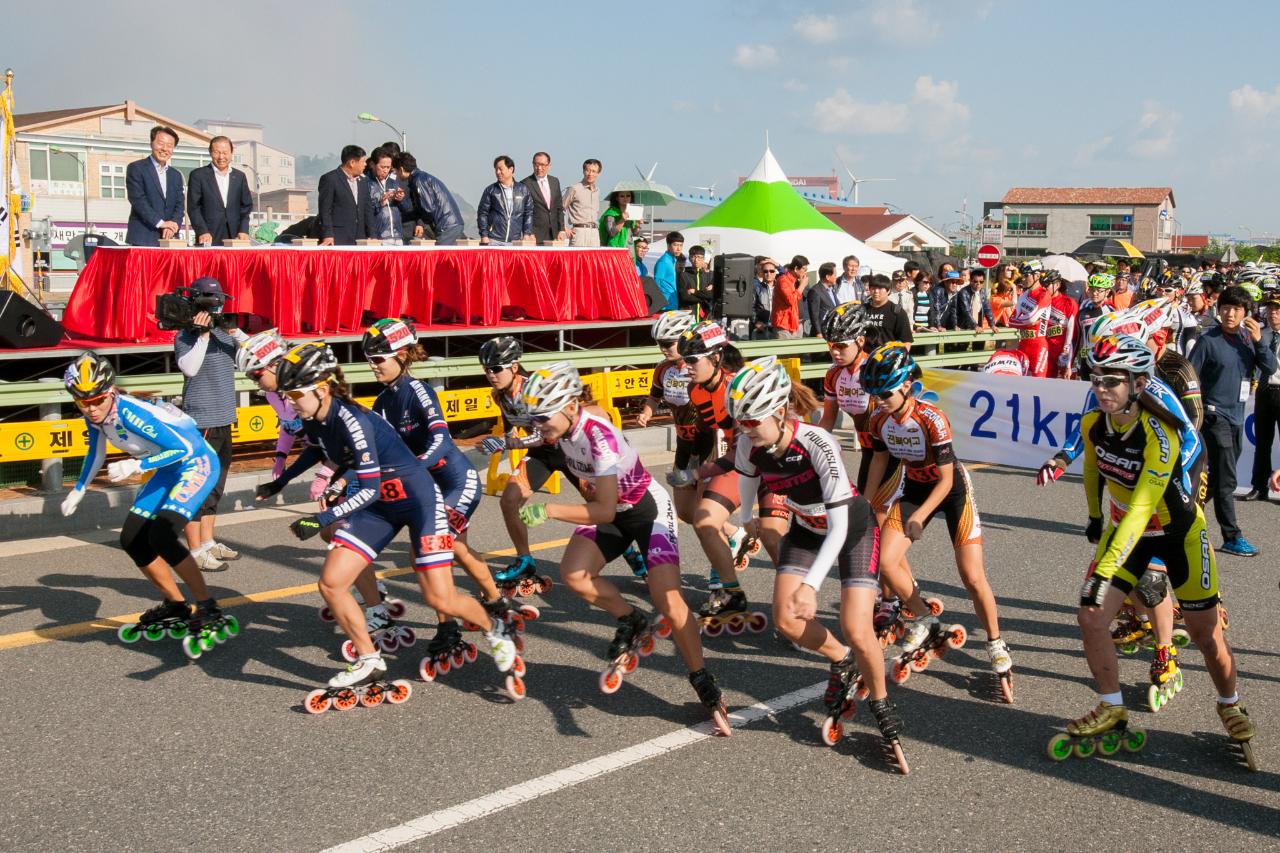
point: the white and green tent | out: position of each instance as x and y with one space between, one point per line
766 216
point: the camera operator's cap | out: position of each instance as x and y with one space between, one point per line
210 286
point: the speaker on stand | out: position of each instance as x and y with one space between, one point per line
24 325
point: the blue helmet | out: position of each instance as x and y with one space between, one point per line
889 367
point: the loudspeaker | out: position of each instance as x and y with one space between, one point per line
24 325
735 278
654 298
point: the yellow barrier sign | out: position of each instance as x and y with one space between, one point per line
42 440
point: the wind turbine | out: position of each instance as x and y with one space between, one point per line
711 190
855 180
648 177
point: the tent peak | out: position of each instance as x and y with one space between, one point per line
767 170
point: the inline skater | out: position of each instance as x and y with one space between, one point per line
412 407
1062 324
1129 447
712 362
1031 317
624 506
832 525
161 440
392 491
919 434
1097 301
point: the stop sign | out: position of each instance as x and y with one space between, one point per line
988 255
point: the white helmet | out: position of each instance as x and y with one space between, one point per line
1126 322
758 390
550 389
261 350
670 325
1122 352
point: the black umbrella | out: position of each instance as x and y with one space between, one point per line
1108 247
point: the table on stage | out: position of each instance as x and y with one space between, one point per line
315 290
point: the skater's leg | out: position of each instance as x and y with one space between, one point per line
580 570
685 499
1205 629
162 533
974 576
474 566
513 497
1099 650
157 571
367 584
708 520
341 568
856 606
664 589
439 592
771 532
809 633
893 567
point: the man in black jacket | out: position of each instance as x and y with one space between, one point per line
218 198
820 299
548 203
346 211
695 285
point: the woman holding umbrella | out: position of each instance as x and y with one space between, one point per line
615 226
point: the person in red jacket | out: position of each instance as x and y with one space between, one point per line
1031 318
787 294
1062 325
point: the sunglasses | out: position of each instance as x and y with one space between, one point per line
884 396
1108 382
667 344
90 402
693 359
541 419
494 371
297 395
748 423
255 375
1168 290
768 272
377 360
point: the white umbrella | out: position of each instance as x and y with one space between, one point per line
1069 268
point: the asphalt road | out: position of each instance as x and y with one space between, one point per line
113 747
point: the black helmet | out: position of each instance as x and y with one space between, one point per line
305 366
844 323
1049 277
500 353
90 375
889 367
388 335
703 339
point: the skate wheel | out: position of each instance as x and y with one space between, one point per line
345 699
442 666
128 633
1249 758
1181 638
646 645
518 641
757 623
712 628
207 641
861 691
1085 748
395 607
610 680
220 635
1135 740
526 588
831 731
935 606
427 670
1177 682
753 547
885 639
900 757
400 692
720 719
1006 687
1109 743
1060 747
529 612
177 632
661 628
373 697
348 651
919 664
736 626
233 626
544 584
191 647
317 701
1128 648
515 687
630 662
458 658
899 672
388 642
470 626
518 667
1154 698
408 637
153 632
957 638
471 653
326 615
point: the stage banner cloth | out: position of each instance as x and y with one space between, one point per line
316 291
1022 421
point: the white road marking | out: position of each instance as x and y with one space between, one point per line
454 816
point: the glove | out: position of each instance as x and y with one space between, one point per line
293 426
1049 473
306 527
267 490
492 445
1093 531
123 470
320 483
71 501
533 514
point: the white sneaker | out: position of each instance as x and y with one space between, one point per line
364 669
998 651
207 562
222 552
377 618
502 646
918 633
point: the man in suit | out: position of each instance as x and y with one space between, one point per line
155 192
821 299
548 203
218 198
346 210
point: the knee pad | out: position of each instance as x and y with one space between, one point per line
1152 587
135 540
166 537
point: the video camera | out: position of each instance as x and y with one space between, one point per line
177 310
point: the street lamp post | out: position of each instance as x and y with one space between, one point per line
368 118
84 178
969 234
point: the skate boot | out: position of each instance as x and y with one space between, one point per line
890 725
515 617
447 650
167 617
386 634
361 683
394 606
844 688
927 639
888 621
1166 677
521 578
1238 725
728 610
639 565
743 547
208 627
710 695
1002 666
1105 729
1130 631
633 640
505 657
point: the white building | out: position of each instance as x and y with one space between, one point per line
268 168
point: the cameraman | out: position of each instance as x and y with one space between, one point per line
206 354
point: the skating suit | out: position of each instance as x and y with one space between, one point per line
541 460
1031 317
1062 331
670 385
715 440
1007 362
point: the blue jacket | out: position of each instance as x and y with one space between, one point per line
664 273
148 205
430 202
1224 362
498 223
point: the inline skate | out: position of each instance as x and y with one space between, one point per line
927 639
743 547
710 695
395 607
1166 677
844 688
167 617
208 627
1240 729
1105 729
1133 631
521 578
361 683
633 640
728 611
891 618
1002 666
387 635
890 725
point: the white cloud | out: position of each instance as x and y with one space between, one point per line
1254 103
819 29
795 86
755 57
933 110
903 21
842 113
1155 131
940 99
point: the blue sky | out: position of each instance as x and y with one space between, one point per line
953 100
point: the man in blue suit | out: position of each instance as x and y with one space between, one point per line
155 192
